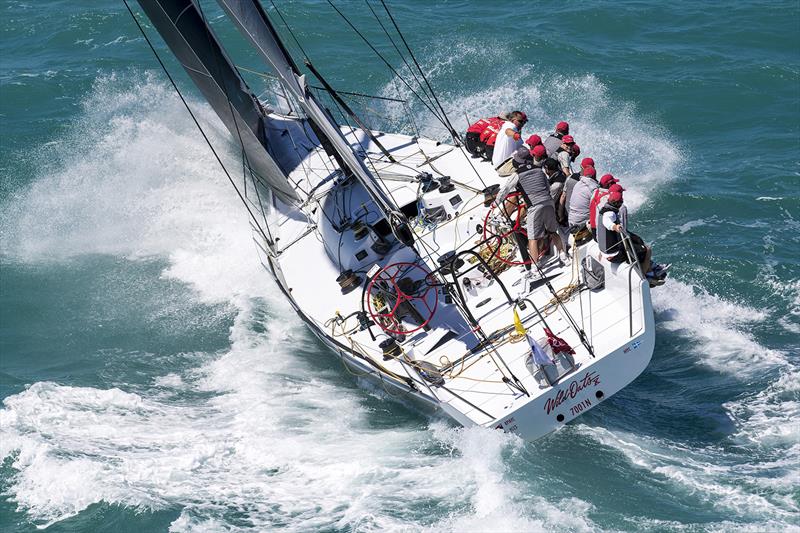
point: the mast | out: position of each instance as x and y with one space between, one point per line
251 19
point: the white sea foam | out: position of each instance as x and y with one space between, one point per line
275 442
602 126
717 327
760 483
134 180
712 475
278 443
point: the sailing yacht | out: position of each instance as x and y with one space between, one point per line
390 249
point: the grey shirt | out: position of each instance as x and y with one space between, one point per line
535 184
569 185
579 201
552 144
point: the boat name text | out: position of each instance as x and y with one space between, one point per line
590 379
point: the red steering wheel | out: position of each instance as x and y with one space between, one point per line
396 284
517 227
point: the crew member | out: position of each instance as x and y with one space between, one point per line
612 229
613 224
564 154
509 138
524 153
578 214
562 211
541 218
553 141
535 158
599 198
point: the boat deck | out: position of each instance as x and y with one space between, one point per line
484 382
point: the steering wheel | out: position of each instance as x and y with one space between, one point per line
517 227
394 290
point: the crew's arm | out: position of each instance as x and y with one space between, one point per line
610 221
511 182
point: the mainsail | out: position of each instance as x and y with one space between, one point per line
254 24
183 28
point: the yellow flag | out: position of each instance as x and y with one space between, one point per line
518 324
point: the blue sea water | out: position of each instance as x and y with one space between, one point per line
152 379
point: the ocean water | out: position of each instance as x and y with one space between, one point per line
153 379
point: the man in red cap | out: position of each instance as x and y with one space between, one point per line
578 214
599 198
553 141
613 228
562 209
525 153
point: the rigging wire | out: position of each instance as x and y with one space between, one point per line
449 125
294 37
199 127
397 49
386 62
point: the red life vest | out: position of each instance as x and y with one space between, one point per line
489 135
598 195
479 126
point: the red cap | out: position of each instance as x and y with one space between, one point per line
587 162
615 196
562 127
576 150
539 151
533 140
589 171
567 139
607 180
616 187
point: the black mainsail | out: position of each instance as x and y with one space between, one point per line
254 24
182 26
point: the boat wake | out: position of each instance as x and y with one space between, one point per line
271 432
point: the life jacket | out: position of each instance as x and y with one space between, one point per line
610 242
594 203
489 135
479 126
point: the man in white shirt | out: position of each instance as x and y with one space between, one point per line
509 138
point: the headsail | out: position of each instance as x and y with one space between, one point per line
254 24
182 27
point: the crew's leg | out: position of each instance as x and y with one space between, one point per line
647 263
533 249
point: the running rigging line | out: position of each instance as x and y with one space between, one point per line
452 130
389 65
397 49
